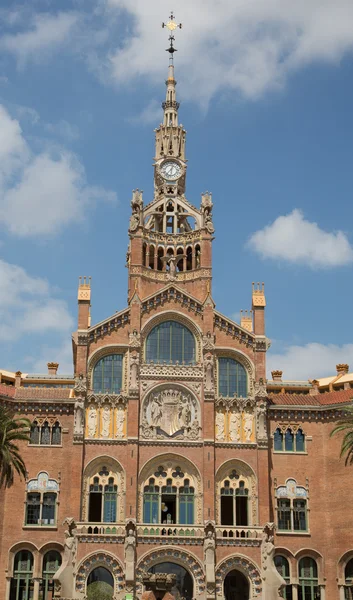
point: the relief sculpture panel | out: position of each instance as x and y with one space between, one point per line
235 425
170 413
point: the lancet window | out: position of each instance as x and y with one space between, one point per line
234 501
292 509
103 497
282 566
22 585
170 503
289 439
170 342
348 580
108 374
232 379
45 432
308 579
41 501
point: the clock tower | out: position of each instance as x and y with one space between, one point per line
170 239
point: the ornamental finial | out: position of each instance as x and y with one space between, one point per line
172 26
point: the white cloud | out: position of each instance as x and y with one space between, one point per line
27 305
152 113
293 239
40 194
63 129
61 353
248 46
45 32
310 361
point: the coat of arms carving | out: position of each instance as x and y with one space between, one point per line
170 412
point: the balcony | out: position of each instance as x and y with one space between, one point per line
238 536
100 532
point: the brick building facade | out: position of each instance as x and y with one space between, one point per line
168 451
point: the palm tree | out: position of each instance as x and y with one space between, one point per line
12 430
346 425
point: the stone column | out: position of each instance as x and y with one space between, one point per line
322 592
8 588
341 589
36 581
295 591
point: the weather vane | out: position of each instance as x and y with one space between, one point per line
172 26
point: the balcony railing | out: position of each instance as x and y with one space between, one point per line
148 530
238 535
101 529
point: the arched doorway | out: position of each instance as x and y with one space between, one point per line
184 585
236 586
100 584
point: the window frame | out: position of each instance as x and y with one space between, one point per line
153 499
97 480
25 575
41 423
282 431
158 358
308 582
286 574
100 361
47 575
43 487
239 371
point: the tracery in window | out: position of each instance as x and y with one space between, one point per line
103 497
45 432
292 507
289 439
170 342
282 566
308 588
51 563
234 501
22 585
232 378
169 498
108 374
41 501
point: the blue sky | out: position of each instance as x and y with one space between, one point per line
266 95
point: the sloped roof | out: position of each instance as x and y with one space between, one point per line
33 393
327 399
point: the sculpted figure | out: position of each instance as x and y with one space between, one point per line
209 372
92 421
134 365
261 419
220 433
156 410
120 418
130 552
273 582
248 425
209 547
79 422
106 421
234 426
184 411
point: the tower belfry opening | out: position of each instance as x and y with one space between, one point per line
170 235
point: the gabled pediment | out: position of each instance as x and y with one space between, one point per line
173 293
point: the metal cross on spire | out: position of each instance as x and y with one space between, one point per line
172 26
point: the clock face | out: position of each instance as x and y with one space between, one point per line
170 170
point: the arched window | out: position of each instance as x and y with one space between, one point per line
308 580
171 342
103 498
232 380
183 587
289 440
108 374
292 507
234 503
40 503
51 563
168 504
22 585
282 566
348 580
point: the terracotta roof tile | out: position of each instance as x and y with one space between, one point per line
7 390
33 393
338 397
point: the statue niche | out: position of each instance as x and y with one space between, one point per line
170 412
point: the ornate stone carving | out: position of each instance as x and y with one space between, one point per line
248 423
261 417
64 577
120 421
209 368
130 555
272 582
80 385
245 565
79 417
239 417
134 369
180 372
260 390
134 339
208 342
234 426
170 412
82 339
92 421
206 212
209 548
100 559
220 426
105 430
137 206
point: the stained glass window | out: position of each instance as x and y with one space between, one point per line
56 434
278 440
45 434
288 441
292 514
34 437
108 373
170 342
299 441
232 378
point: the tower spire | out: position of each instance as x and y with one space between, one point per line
170 106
